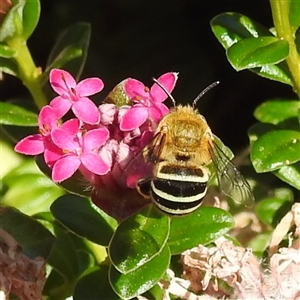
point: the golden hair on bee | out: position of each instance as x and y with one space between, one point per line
186 131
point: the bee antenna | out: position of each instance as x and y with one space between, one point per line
165 90
212 85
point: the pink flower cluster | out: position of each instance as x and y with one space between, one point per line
99 140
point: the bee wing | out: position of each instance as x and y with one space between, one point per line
141 165
231 181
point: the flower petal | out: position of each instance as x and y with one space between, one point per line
89 86
94 163
95 138
135 88
65 167
61 106
48 117
71 126
134 118
52 153
168 81
158 111
64 140
31 145
61 81
86 110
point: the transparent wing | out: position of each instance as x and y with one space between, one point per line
142 164
231 181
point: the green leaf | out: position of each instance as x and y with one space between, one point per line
11 114
138 239
271 210
201 227
275 150
20 20
70 51
142 279
94 284
259 129
64 259
32 236
290 174
31 15
83 218
12 23
9 66
259 243
37 198
230 27
277 111
279 72
63 256
257 52
6 52
294 15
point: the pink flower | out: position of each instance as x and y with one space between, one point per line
81 149
38 143
148 102
72 95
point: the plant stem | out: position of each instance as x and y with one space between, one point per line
280 12
28 72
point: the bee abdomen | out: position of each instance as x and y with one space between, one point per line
176 196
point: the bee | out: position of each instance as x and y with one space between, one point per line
180 153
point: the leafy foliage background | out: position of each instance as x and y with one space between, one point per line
143 39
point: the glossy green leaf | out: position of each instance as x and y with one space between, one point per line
142 279
290 174
279 72
83 218
275 150
8 66
64 259
201 227
11 114
277 111
259 129
294 15
70 51
230 27
94 284
20 20
138 239
37 198
6 52
60 283
31 15
257 52
271 210
31 235
12 23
